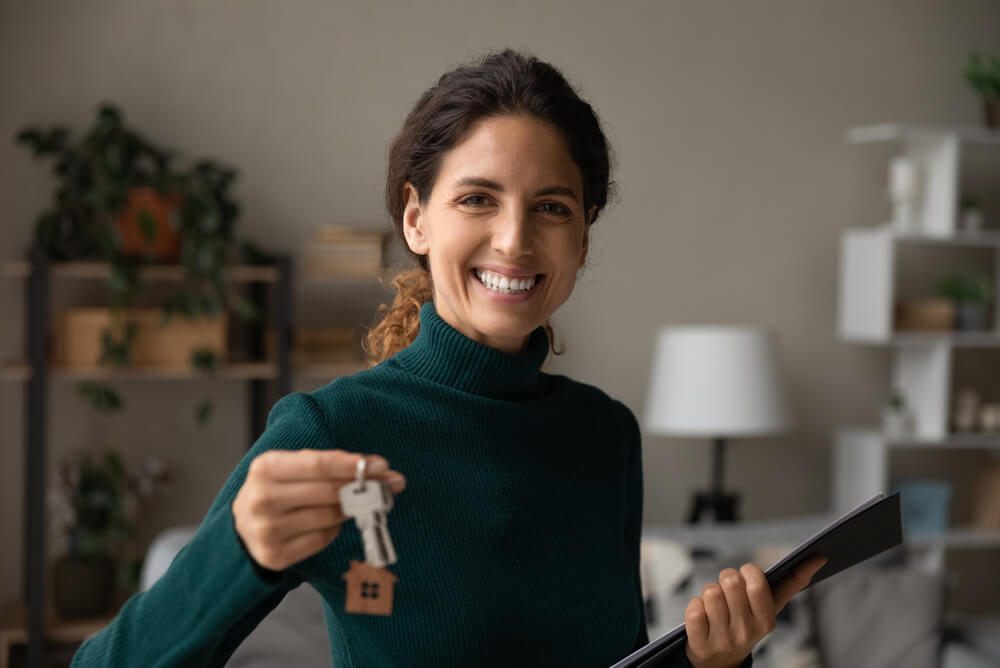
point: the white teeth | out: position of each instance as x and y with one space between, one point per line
503 283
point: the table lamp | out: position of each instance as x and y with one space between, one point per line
718 382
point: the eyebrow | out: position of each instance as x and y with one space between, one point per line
493 185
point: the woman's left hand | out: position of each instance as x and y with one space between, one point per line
730 617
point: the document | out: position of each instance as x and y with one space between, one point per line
860 534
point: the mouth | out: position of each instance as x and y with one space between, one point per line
504 285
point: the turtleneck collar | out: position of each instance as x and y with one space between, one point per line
443 354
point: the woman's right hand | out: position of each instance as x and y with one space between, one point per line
288 508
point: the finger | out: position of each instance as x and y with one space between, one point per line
308 464
760 597
276 498
396 481
280 557
740 617
718 615
696 624
797 581
283 528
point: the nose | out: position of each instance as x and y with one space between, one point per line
512 233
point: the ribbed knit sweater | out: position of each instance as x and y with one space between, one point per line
517 535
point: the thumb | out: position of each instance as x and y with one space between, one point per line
797 581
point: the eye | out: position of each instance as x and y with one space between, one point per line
474 200
557 208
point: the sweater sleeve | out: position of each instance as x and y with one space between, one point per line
633 536
211 597
633 519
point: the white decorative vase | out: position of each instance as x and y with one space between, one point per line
904 192
897 425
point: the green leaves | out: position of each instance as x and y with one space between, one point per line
244 308
124 281
97 173
116 346
97 492
983 74
102 397
205 360
204 411
965 287
147 225
44 142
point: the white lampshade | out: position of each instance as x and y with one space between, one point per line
714 382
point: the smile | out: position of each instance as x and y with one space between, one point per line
505 285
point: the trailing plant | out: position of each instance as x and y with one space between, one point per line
110 175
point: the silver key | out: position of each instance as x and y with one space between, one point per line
368 502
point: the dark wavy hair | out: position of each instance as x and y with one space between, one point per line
503 83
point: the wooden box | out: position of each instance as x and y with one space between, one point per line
80 332
925 315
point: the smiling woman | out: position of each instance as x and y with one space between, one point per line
496 176
484 235
517 538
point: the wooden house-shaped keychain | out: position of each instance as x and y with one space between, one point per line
369 589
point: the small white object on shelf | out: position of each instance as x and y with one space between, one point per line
966 410
937 150
897 424
972 220
904 192
989 418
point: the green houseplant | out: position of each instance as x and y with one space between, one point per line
971 292
119 199
983 74
95 504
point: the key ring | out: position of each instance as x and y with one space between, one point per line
362 465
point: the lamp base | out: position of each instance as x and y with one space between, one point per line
723 507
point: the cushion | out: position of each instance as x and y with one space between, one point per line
879 617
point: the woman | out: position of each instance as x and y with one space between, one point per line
518 538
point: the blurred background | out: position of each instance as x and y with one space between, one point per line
820 172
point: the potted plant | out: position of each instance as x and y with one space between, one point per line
120 200
95 505
971 293
897 421
983 74
971 214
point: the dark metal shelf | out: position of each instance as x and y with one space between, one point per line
268 380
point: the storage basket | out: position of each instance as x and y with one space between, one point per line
157 344
923 506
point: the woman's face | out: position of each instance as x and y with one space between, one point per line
507 204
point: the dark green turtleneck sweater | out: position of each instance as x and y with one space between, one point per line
517 534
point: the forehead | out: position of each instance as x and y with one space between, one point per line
516 151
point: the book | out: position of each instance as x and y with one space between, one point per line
858 535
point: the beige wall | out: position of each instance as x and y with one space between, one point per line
728 121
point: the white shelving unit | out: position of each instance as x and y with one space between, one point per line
923 364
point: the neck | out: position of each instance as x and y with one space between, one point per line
449 357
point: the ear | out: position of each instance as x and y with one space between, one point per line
413 223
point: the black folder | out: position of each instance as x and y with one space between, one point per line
870 529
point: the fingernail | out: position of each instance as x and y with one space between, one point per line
378 465
395 479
